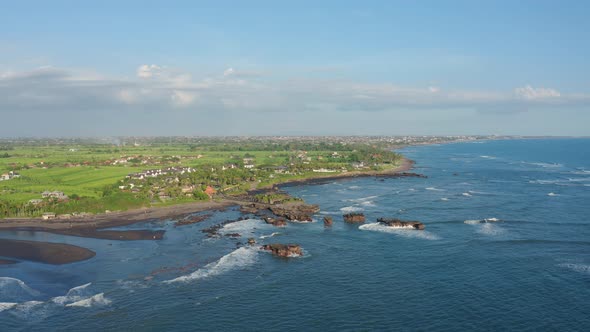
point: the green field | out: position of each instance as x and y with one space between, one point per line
92 173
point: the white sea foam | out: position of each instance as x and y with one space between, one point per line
96 300
349 209
466 194
576 267
488 157
354 187
237 259
434 189
270 235
552 194
405 232
368 203
544 165
444 199
7 305
15 289
362 199
246 226
73 295
472 222
490 229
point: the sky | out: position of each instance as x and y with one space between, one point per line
150 68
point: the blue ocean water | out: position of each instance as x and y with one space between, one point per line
528 271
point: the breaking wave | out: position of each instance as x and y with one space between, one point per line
270 235
576 267
410 233
466 194
12 289
73 295
237 259
246 226
434 189
7 305
96 300
349 209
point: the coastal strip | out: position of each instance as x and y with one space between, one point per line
90 226
44 252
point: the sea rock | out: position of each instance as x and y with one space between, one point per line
354 217
295 211
191 220
233 235
278 222
283 250
327 221
251 241
397 223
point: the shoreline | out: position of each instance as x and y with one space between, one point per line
89 226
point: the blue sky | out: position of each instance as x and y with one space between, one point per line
304 67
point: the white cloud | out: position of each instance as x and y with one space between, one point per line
228 72
159 89
530 93
183 98
149 71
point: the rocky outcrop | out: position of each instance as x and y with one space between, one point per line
191 220
409 175
283 250
213 230
354 217
328 221
397 223
295 211
278 222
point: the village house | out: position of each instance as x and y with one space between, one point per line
8 176
48 215
54 194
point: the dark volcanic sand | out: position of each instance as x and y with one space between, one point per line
44 252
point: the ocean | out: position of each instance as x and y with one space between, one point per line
528 268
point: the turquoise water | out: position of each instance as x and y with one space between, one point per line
529 271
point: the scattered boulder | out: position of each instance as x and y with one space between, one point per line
354 217
328 221
397 223
295 211
283 250
278 222
191 220
233 235
251 241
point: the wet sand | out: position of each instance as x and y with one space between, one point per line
44 252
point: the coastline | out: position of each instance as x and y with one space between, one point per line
95 226
89 226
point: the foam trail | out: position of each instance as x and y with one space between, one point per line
466 194
349 209
16 289
73 295
237 259
7 305
96 300
246 226
434 189
411 233
576 267
472 222
271 235
490 229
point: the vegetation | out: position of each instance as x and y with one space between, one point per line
119 174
